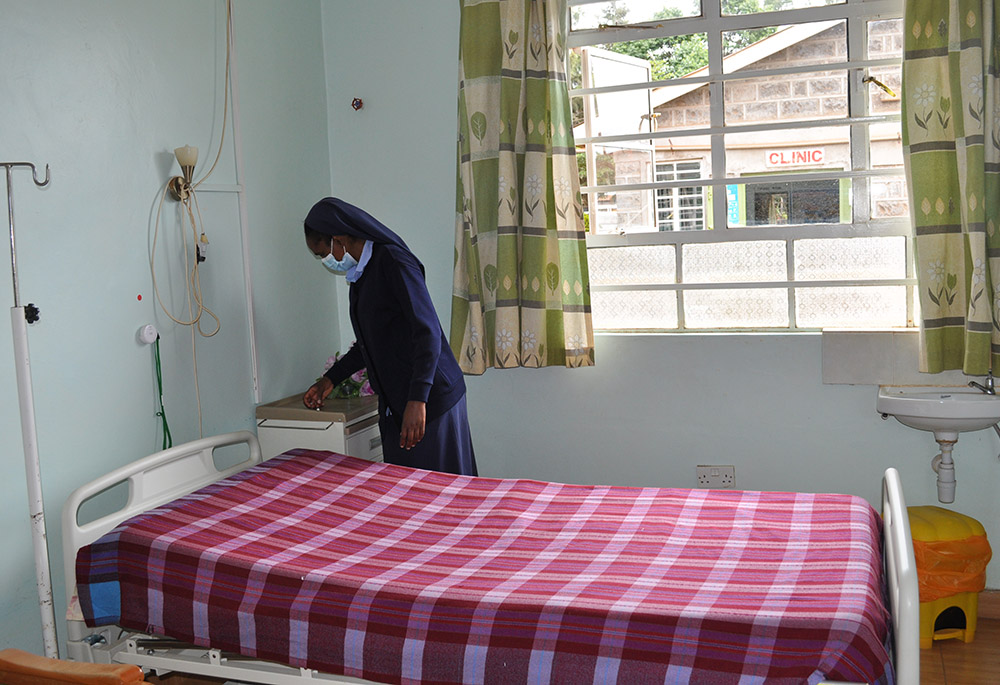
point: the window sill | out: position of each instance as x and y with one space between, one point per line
878 357
887 356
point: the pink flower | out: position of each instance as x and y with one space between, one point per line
330 362
366 389
358 376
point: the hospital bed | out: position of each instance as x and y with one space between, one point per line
380 573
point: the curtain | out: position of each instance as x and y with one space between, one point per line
951 141
521 293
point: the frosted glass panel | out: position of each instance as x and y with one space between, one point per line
759 260
749 308
628 265
850 258
634 309
876 306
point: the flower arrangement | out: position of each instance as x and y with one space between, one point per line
356 385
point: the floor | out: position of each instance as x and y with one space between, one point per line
953 662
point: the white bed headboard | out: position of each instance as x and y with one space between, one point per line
152 481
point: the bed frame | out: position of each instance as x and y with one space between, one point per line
172 473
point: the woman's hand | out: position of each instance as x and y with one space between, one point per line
414 417
317 392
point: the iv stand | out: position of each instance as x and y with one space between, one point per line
20 317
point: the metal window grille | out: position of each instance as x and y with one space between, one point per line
745 172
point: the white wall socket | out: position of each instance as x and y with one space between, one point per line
714 476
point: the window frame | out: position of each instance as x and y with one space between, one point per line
857 14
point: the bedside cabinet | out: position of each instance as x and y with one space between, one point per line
346 426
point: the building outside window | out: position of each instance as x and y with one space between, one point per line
745 163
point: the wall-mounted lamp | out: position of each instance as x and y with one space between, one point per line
180 186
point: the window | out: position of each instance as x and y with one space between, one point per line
680 208
741 164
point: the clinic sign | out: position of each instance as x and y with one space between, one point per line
787 157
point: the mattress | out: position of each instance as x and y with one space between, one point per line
400 575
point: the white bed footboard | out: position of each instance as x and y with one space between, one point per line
152 481
901 569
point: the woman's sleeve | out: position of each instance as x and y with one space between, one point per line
411 290
349 364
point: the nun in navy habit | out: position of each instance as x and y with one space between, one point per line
421 391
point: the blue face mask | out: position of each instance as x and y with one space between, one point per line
341 265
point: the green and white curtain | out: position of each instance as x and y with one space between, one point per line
521 293
951 139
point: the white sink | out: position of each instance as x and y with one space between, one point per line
940 410
946 412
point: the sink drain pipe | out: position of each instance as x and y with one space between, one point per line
944 467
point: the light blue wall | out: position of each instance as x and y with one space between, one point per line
654 407
103 91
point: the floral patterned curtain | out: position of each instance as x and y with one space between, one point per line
521 293
951 139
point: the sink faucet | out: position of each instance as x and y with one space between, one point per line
989 389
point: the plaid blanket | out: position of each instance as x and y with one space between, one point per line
401 575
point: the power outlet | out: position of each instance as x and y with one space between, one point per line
718 477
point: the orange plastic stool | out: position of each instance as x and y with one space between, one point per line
951 552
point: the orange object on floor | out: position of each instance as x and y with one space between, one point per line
23 668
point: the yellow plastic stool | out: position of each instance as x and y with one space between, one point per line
965 563
968 602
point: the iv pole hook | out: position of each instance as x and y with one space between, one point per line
8 166
34 171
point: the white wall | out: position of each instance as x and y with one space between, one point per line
103 92
654 406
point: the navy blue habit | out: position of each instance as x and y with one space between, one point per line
400 341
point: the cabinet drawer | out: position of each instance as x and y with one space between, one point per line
366 443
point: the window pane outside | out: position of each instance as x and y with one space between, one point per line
812 95
593 15
735 7
784 157
796 45
680 208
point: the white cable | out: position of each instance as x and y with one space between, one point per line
192 281
225 101
192 278
192 286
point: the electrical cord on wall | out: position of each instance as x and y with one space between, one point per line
168 441
192 288
192 284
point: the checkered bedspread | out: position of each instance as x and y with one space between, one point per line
408 576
